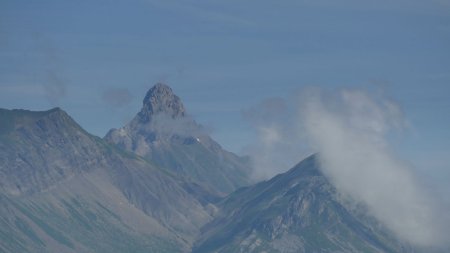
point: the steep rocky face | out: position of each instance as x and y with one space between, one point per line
38 149
161 99
163 133
64 190
298 211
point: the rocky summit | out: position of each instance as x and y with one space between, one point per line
161 184
160 99
64 190
165 134
297 211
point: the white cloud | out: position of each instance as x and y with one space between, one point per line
349 129
167 126
279 144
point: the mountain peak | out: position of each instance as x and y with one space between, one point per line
12 119
160 99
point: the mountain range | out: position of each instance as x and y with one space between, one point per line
162 184
163 133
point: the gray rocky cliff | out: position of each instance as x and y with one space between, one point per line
166 135
64 190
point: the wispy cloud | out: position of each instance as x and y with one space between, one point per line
279 145
350 130
166 125
117 97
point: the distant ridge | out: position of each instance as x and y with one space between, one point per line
297 211
64 190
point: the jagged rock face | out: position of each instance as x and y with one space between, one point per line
298 211
38 149
160 99
64 190
163 133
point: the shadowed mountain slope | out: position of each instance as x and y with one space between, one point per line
64 190
298 211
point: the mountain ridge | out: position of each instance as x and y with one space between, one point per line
161 99
164 133
65 190
56 177
296 211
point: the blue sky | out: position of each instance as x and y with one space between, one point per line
223 57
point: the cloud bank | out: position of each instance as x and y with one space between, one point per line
350 130
279 145
166 125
